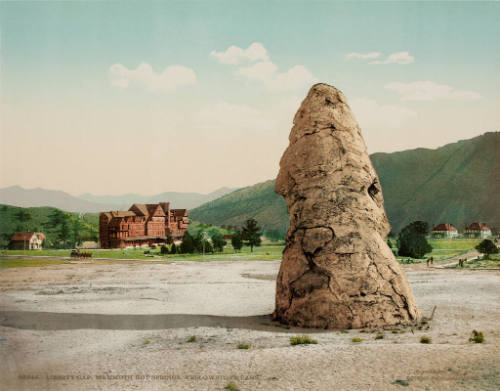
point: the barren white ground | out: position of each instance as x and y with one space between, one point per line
124 326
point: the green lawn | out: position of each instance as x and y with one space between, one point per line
492 263
19 262
266 252
442 249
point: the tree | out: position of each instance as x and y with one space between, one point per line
24 217
202 243
412 241
237 241
170 239
163 250
187 245
218 241
251 233
173 250
487 247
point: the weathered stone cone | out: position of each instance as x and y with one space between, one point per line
337 270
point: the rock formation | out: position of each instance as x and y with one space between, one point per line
337 270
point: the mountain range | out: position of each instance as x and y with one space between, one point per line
88 203
458 183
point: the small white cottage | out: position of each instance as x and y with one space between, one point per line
27 241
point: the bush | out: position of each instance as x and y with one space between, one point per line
191 339
477 337
231 387
219 242
237 241
146 252
243 346
187 245
425 339
356 339
379 336
487 247
302 340
173 250
412 242
163 250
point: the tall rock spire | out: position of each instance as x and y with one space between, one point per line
337 270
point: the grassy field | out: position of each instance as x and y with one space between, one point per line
266 252
20 262
442 249
492 263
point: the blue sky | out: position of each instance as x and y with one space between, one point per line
196 116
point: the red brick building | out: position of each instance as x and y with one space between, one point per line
141 225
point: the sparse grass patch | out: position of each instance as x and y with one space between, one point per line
425 339
356 339
231 387
343 332
477 337
191 339
401 382
147 342
379 336
395 331
302 340
243 346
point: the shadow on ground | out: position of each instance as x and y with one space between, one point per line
71 321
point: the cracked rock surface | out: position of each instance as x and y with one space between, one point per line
337 270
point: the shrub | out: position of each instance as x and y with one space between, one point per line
412 240
146 252
477 337
379 336
173 250
356 339
243 346
164 250
401 382
231 387
425 339
192 339
302 340
147 342
487 247
237 241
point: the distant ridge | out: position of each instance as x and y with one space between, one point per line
88 203
458 183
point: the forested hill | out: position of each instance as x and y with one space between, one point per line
62 229
457 183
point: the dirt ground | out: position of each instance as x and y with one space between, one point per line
125 326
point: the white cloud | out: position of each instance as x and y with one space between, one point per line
363 56
402 58
371 114
295 78
429 91
235 55
145 77
260 71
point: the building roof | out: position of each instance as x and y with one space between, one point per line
179 212
444 227
477 227
139 209
152 208
18 236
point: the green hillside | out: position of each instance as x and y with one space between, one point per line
53 223
457 183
